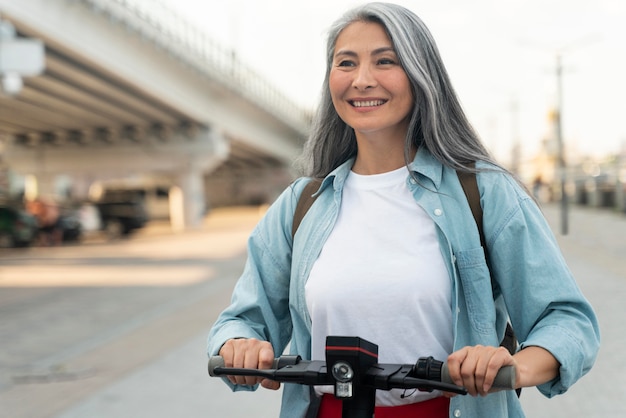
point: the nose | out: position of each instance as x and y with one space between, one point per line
364 78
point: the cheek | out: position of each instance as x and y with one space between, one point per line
337 83
403 87
400 82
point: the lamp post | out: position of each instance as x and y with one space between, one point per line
562 166
559 125
560 145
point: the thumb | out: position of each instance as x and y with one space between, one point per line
270 384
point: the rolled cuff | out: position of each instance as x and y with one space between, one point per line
574 357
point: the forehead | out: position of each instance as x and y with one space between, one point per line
369 35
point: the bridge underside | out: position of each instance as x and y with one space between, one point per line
72 106
114 104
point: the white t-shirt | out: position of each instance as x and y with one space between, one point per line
381 277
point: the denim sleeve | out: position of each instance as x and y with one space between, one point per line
546 307
259 306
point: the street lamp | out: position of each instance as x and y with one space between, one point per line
560 145
562 166
559 125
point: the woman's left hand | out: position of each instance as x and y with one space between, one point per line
475 368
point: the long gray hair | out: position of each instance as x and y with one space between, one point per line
437 121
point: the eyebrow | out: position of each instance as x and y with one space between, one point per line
377 51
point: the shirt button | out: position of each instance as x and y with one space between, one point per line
457 413
438 212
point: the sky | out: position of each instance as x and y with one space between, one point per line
501 56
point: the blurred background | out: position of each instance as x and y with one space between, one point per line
141 140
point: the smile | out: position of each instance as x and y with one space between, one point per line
367 103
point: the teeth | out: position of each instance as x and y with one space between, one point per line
368 103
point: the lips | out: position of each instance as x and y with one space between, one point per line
367 103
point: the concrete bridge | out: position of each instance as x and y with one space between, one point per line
130 90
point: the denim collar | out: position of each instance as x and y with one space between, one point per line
423 164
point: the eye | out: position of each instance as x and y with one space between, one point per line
345 63
386 61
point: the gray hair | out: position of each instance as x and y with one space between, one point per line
437 121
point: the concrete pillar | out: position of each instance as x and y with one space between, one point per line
46 185
39 185
187 203
593 193
620 195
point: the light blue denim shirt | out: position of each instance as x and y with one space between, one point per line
533 284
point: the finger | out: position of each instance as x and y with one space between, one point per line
238 360
227 352
487 365
499 358
266 356
480 372
454 365
244 355
251 360
487 362
469 368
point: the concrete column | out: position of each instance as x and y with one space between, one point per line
593 193
40 185
620 196
187 203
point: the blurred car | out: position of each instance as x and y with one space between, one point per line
155 198
70 225
18 228
119 218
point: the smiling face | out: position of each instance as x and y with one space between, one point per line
370 90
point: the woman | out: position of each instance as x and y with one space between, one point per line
390 252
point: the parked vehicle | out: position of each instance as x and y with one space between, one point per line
119 218
155 198
70 225
17 227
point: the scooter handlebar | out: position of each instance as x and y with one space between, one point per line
504 380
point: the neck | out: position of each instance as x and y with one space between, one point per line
375 157
367 166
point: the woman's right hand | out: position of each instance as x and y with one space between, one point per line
249 353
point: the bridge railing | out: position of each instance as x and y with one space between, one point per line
178 36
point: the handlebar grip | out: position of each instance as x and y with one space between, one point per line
505 378
278 363
214 363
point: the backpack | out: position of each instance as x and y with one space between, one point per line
470 187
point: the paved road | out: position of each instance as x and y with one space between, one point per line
118 330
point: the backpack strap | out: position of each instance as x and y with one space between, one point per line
470 188
304 203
